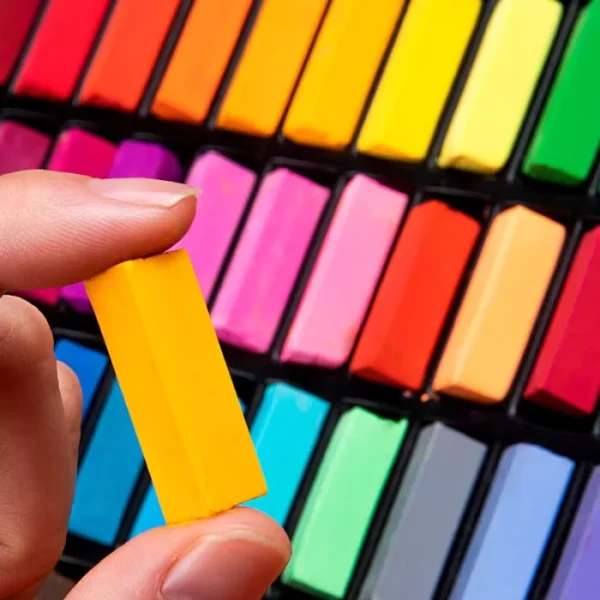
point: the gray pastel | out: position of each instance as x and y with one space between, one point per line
425 516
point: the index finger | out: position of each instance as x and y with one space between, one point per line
57 229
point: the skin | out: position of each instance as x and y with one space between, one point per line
54 230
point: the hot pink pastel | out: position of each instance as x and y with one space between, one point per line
225 187
267 260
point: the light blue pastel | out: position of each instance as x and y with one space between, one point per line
88 364
514 526
285 431
150 515
108 473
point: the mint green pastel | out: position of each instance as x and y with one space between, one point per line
342 501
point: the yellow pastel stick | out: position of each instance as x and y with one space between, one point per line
500 85
176 385
418 77
340 71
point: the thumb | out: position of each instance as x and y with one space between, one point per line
59 228
234 556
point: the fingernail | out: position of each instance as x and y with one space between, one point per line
133 190
238 565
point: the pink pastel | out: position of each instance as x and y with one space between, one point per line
82 153
45 296
225 187
267 260
345 274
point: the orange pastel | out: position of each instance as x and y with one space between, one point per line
269 67
128 51
500 306
200 59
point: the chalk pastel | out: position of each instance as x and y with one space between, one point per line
342 501
178 390
345 274
425 516
53 63
267 259
48 296
407 317
122 64
340 71
107 474
21 147
285 431
269 67
150 514
567 138
514 526
16 21
200 59
500 86
139 158
225 188
88 364
577 576
418 77
500 306
83 153
566 376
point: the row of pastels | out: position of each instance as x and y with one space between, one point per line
262 67
356 451
369 277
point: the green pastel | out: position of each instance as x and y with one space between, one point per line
567 137
342 501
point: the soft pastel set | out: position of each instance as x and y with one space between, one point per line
397 242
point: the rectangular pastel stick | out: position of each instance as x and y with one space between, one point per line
577 576
21 147
107 473
76 296
514 526
139 158
418 77
225 189
285 431
267 259
500 86
567 136
178 390
150 514
48 296
88 364
200 59
130 45
345 274
83 153
407 316
16 21
335 83
342 501
269 67
60 48
566 376
500 306
425 517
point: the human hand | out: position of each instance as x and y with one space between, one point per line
57 229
